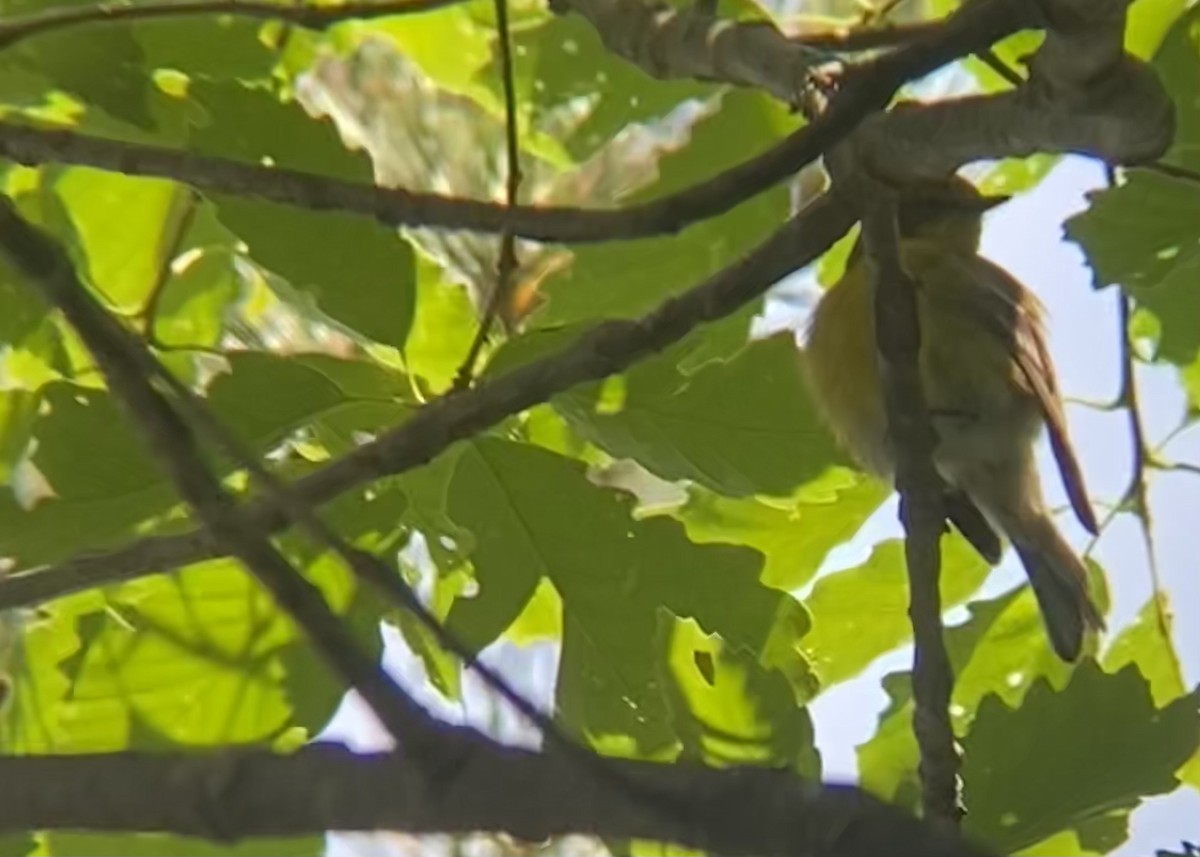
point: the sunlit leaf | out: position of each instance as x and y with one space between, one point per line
1143 644
105 495
444 324
564 60
732 710
629 278
861 613
794 535
1032 771
99 65
741 427
1000 649
533 515
121 229
358 272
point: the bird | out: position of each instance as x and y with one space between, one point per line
989 386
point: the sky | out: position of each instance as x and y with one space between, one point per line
1025 237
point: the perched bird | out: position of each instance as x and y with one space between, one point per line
989 387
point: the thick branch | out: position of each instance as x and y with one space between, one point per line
911 434
605 349
15 29
865 37
1084 95
233 795
692 41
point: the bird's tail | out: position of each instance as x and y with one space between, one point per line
1059 580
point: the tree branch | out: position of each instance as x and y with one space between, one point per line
232 795
605 349
911 434
691 41
866 87
865 37
1084 95
506 264
16 29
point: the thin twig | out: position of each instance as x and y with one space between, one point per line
1136 494
506 265
607 348
129 369
313 17
873 14
149 310
921 510
1010 75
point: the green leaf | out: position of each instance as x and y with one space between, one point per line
1177 63
423 40
23 307
98 496
742 427
1190 377
17 844
563 60
861 613
1143 235
443 326
627 279
729 709
101 66
1148 23
358 272
213 47
1001 649
188 659
266 397
1053 764
202 657
120 230
1016 175
18 413
248 122
105 495
191 308
795 536
534 515
887 763
1143 644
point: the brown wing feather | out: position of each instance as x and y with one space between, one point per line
1034 362
1028 347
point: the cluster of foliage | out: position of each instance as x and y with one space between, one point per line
657 526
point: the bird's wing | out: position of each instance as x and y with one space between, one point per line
1004 306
